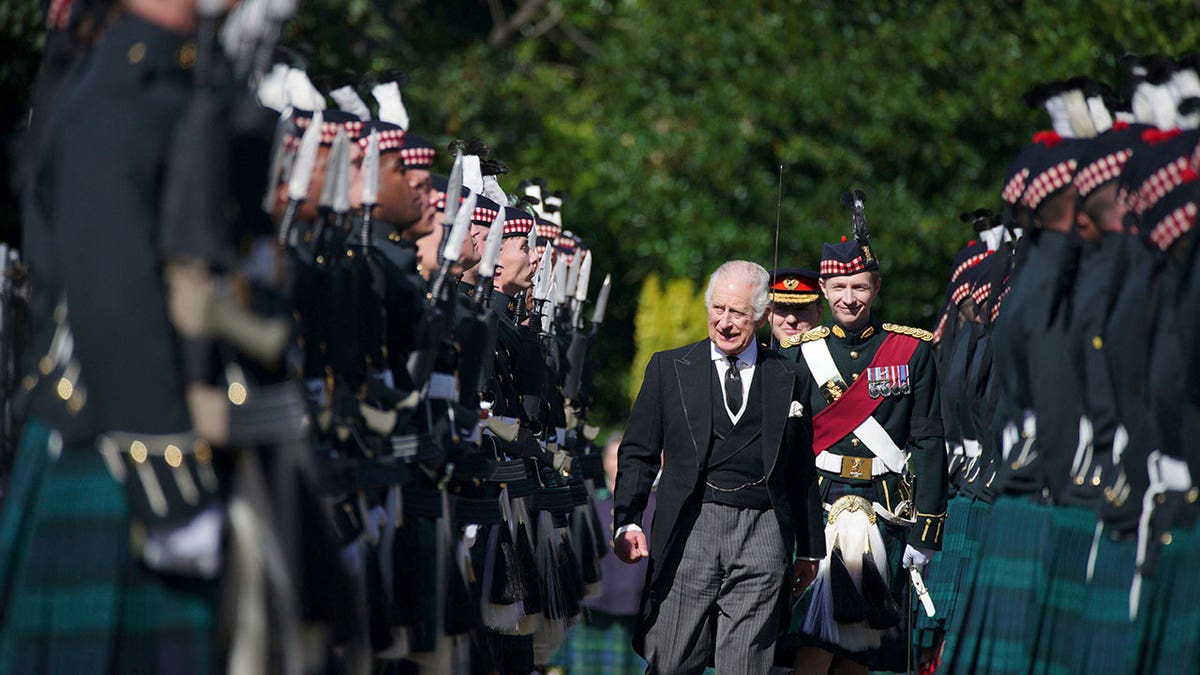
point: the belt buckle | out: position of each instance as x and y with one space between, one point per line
856 467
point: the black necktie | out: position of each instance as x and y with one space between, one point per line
733 386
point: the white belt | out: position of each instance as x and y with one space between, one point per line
443 387
1167 474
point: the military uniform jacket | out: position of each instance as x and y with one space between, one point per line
109 152
912 420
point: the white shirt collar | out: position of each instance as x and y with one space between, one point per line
749 355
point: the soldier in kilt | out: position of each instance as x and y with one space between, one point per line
877 424
77 592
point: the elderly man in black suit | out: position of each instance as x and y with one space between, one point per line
739 522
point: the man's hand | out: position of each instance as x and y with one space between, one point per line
631 546
803 573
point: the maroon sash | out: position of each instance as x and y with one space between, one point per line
845 414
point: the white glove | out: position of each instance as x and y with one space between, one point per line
915 557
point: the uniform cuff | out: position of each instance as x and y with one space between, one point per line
927 532
632 527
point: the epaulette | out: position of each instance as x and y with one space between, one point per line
919 333
814 334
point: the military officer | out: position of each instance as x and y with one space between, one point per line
795 307
876 424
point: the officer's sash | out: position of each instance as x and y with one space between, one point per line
851 412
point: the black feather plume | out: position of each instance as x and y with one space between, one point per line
456 146
847 601
525 201
383 77
879 606
856 202
527 564
478 146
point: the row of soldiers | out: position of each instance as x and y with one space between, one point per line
292 403
1069 399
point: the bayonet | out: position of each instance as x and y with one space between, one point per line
602 302
454 189
581 287
453 247
302 171
370 188
573 273
335 199
279 151
487 265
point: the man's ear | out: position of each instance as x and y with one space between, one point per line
821 284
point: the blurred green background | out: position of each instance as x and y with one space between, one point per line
666 122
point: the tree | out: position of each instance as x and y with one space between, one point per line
666 122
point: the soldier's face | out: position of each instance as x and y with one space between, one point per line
731 322
427 252
850 298
513 273
420 183
398 203
1102 211
478 238
789 320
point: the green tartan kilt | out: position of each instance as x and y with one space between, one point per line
1168 621
1105 637
601 644
943 572
1010 590
1072 530
966 604
73 598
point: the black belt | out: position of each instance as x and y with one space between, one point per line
522 488
418 446
478 510
555 499
269 414
509 471
422 503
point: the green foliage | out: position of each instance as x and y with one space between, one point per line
666 122
668 316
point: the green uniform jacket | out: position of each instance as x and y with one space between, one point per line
913 421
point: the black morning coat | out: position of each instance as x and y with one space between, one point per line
673 416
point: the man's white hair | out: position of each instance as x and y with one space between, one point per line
748 272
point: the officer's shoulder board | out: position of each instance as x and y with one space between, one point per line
919 333
814 334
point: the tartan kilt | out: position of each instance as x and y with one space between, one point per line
601 644
1168 621
1010 589
966 604
1072 530
73 598
1105 636
942 573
